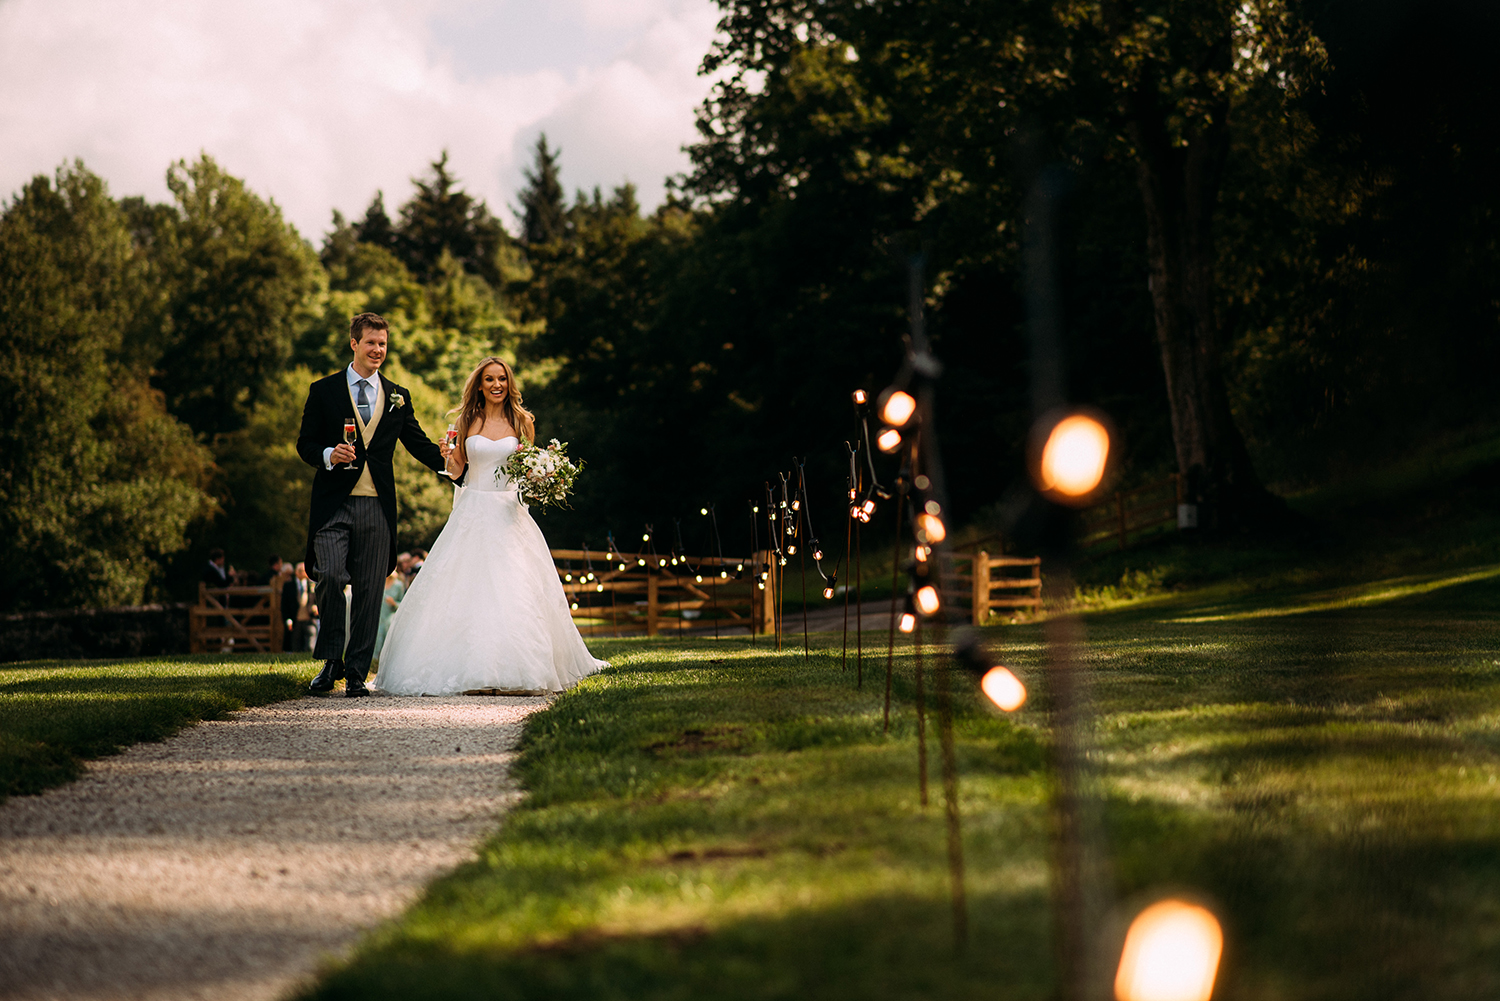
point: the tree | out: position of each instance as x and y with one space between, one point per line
949 88
441 217
375 228
97 481
240 282
544 216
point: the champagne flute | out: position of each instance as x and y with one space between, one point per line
450 437
350 430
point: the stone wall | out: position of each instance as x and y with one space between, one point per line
139 631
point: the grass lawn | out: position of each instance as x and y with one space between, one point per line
716 820
54 715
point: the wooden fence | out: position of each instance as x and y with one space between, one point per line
1131 511
986 583
236 620
653 592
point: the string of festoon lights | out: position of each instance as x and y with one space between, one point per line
1172 949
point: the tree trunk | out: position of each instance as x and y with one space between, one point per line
1180 186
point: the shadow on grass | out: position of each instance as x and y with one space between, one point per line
881 946
54 716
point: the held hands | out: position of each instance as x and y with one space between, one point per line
343 453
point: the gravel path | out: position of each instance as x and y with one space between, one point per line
228 861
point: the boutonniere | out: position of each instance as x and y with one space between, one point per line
397 401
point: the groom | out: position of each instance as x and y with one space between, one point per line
351 533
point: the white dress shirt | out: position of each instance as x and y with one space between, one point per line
353 378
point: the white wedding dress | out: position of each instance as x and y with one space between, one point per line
486 610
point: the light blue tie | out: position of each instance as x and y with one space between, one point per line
363 400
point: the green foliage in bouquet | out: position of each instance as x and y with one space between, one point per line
542 476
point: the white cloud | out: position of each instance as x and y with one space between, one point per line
317 103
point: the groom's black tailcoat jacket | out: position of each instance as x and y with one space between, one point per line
328 404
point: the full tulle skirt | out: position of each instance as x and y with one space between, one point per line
486 610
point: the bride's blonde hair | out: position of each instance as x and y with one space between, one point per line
471 409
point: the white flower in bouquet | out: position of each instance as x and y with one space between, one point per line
542 476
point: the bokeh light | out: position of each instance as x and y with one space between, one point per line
930 528
927 600
1171 954
1074 458
898 408
888 440
908 622
1003 688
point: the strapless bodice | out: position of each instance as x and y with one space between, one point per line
485 456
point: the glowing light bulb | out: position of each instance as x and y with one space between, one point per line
575 606
796 505
699 578
645 538
674 561
599 587
661 563
930 528
1074 458
828 593
725 573
899 407
921 554
703 511
567 576
739 566
1171 954
755 509
908 622
1003 688
761 586
927 600
791 550
868 507
641 562
851 494
622 566
860 397
818 555
888 440
783 561
591 576
764 575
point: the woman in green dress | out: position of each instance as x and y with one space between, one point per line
395 588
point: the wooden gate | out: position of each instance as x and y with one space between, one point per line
236 620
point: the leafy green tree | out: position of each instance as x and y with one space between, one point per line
240 283
376 227
97 481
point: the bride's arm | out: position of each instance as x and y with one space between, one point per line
459 457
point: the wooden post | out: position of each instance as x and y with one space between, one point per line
1120 506
278 630
768 597
981 587
653 583
195 621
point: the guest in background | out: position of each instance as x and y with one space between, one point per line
298 608
395 590
216 574
418 557
404 564
275 569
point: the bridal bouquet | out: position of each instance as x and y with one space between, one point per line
542 476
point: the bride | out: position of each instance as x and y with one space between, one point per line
487 609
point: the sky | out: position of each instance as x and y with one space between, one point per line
319 103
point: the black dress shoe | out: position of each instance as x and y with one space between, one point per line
332 671
354 682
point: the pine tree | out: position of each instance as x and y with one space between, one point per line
544 217
376 226
442 216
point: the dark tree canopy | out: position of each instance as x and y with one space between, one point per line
440 217
544 217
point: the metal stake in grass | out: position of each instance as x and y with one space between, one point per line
890 646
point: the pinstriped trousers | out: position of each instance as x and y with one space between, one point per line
352 548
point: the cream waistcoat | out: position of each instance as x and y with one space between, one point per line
365 487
